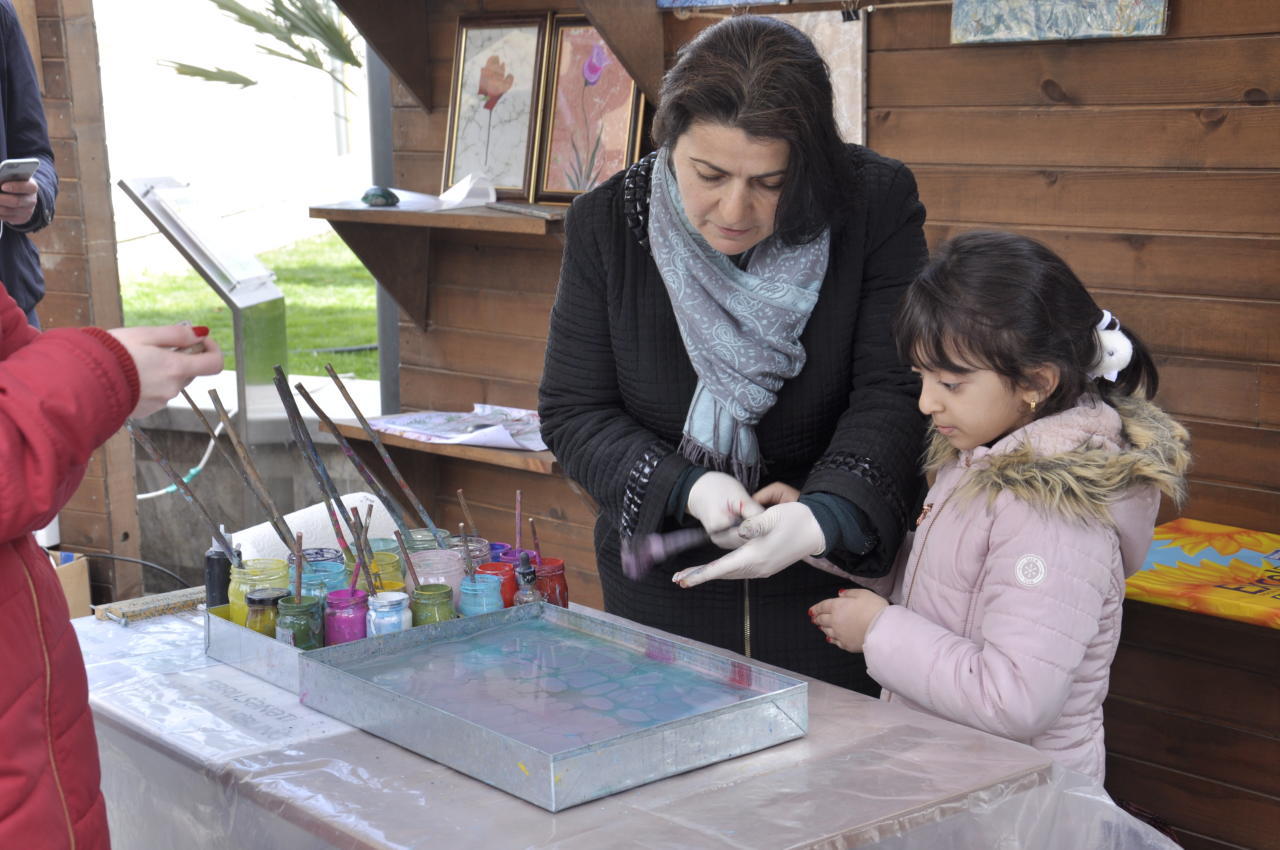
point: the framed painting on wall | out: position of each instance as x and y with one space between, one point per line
592 115
495 102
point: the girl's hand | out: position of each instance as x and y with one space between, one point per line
777 493
846 620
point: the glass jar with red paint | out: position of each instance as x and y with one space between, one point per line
551 581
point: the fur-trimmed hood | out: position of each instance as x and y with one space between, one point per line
1078 462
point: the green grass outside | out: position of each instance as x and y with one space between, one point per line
330 302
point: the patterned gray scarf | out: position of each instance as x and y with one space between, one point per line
741 328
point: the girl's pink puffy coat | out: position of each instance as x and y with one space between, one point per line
1008 605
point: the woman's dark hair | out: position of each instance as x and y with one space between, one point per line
765 78
1004 302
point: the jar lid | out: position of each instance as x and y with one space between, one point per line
266 596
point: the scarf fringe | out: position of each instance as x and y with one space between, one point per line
748 474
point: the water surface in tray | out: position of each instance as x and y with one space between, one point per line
548 686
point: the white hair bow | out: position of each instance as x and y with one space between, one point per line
1115 350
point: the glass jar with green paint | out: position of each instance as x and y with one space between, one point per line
432 603
300 621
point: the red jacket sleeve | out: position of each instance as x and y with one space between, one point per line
62 394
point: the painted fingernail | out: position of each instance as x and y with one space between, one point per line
831 640
201 331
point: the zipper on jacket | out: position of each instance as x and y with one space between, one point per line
48 686
920 556
746 617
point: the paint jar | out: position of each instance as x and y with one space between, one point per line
260 609
512 556
527 578
496 549
432 603
551 581
480 594
388 613
316 554
344 616
440 566
300 621
320 577
386 566
384 544
422 539
475 547
507 573
252 574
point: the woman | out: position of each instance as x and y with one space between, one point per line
62 394
722 321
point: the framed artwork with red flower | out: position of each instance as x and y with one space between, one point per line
592 115
496 100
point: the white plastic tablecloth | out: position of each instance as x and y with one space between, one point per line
196 753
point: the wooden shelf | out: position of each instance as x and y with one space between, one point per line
468 218
540 462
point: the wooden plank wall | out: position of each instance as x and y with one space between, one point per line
78 256
1153 167
489 299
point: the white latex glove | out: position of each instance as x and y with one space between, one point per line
720 502
775 539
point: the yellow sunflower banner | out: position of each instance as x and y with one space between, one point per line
1213 569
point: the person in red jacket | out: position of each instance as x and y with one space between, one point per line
62 394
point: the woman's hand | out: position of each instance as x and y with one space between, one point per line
720 502
846 620
777 493
163 370
775 540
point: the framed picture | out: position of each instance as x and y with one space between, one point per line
495 101
592 116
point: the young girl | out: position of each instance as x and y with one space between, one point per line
1049 465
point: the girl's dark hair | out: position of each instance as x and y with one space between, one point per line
765 78
1004 302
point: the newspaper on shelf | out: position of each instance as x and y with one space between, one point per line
486 425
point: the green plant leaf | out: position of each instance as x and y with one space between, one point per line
213 75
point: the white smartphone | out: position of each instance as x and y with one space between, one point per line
18 170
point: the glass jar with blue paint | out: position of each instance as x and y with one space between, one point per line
479 594
388 613
324 571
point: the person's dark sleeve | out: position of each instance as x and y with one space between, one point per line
844 526
872 460
26 133
627 469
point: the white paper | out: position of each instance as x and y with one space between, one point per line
486 425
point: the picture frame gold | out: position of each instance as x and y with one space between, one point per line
496 101
592 115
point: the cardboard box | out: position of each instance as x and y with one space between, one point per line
74 576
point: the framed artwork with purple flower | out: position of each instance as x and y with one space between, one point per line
495 101
591 128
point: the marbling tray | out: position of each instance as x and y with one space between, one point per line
555 706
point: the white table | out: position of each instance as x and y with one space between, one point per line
196 753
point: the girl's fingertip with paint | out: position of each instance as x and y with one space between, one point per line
201 331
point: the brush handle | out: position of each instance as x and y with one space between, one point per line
642 551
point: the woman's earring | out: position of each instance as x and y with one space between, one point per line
1033 404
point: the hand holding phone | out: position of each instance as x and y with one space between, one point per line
17 207
18 170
